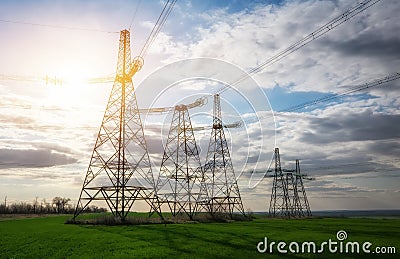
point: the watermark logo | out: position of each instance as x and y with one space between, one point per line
341 235
340 245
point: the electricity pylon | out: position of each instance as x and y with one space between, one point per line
180 183
300 201
288 198
222 187
119 171
280 205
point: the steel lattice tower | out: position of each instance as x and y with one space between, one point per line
300 201
222 187
180 184
280 205
119 171
288 198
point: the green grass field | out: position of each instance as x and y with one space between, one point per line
49 237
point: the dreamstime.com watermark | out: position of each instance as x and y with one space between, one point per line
332 246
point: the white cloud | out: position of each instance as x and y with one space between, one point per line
351 133
343 57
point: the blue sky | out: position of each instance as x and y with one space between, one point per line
349 145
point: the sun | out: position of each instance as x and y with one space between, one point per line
68 87
71 99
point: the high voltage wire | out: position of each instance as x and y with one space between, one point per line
357 88
370 84
342 18
356 9
354 89
134 14
347 15
58 26
294 47
54 80
169 5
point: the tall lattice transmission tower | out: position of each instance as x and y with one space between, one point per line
119 171
300 201
222 187
181 180
280 205
288 198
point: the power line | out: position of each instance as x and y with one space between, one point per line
347 15
342 18
236 124
294 47
134 14
57 26
357 88
169 5
354 89
54 80
370 84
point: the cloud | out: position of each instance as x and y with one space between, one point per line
32 158
389 148
339 127
352 137
340 140
16 120
367 45
359 50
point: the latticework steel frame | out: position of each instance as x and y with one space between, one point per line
119 171
280 205
223 190
300 201
288 198
181 180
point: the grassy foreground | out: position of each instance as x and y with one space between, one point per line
50 238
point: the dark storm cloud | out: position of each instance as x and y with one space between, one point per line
386 148
352 127
32 158
367 45
343 167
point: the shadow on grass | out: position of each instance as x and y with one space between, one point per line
142 219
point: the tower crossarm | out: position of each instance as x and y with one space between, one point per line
156 110
136 65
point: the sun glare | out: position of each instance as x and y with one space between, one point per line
68 87
74 99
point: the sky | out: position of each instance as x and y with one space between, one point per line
349 146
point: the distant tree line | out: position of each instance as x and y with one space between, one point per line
58 205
